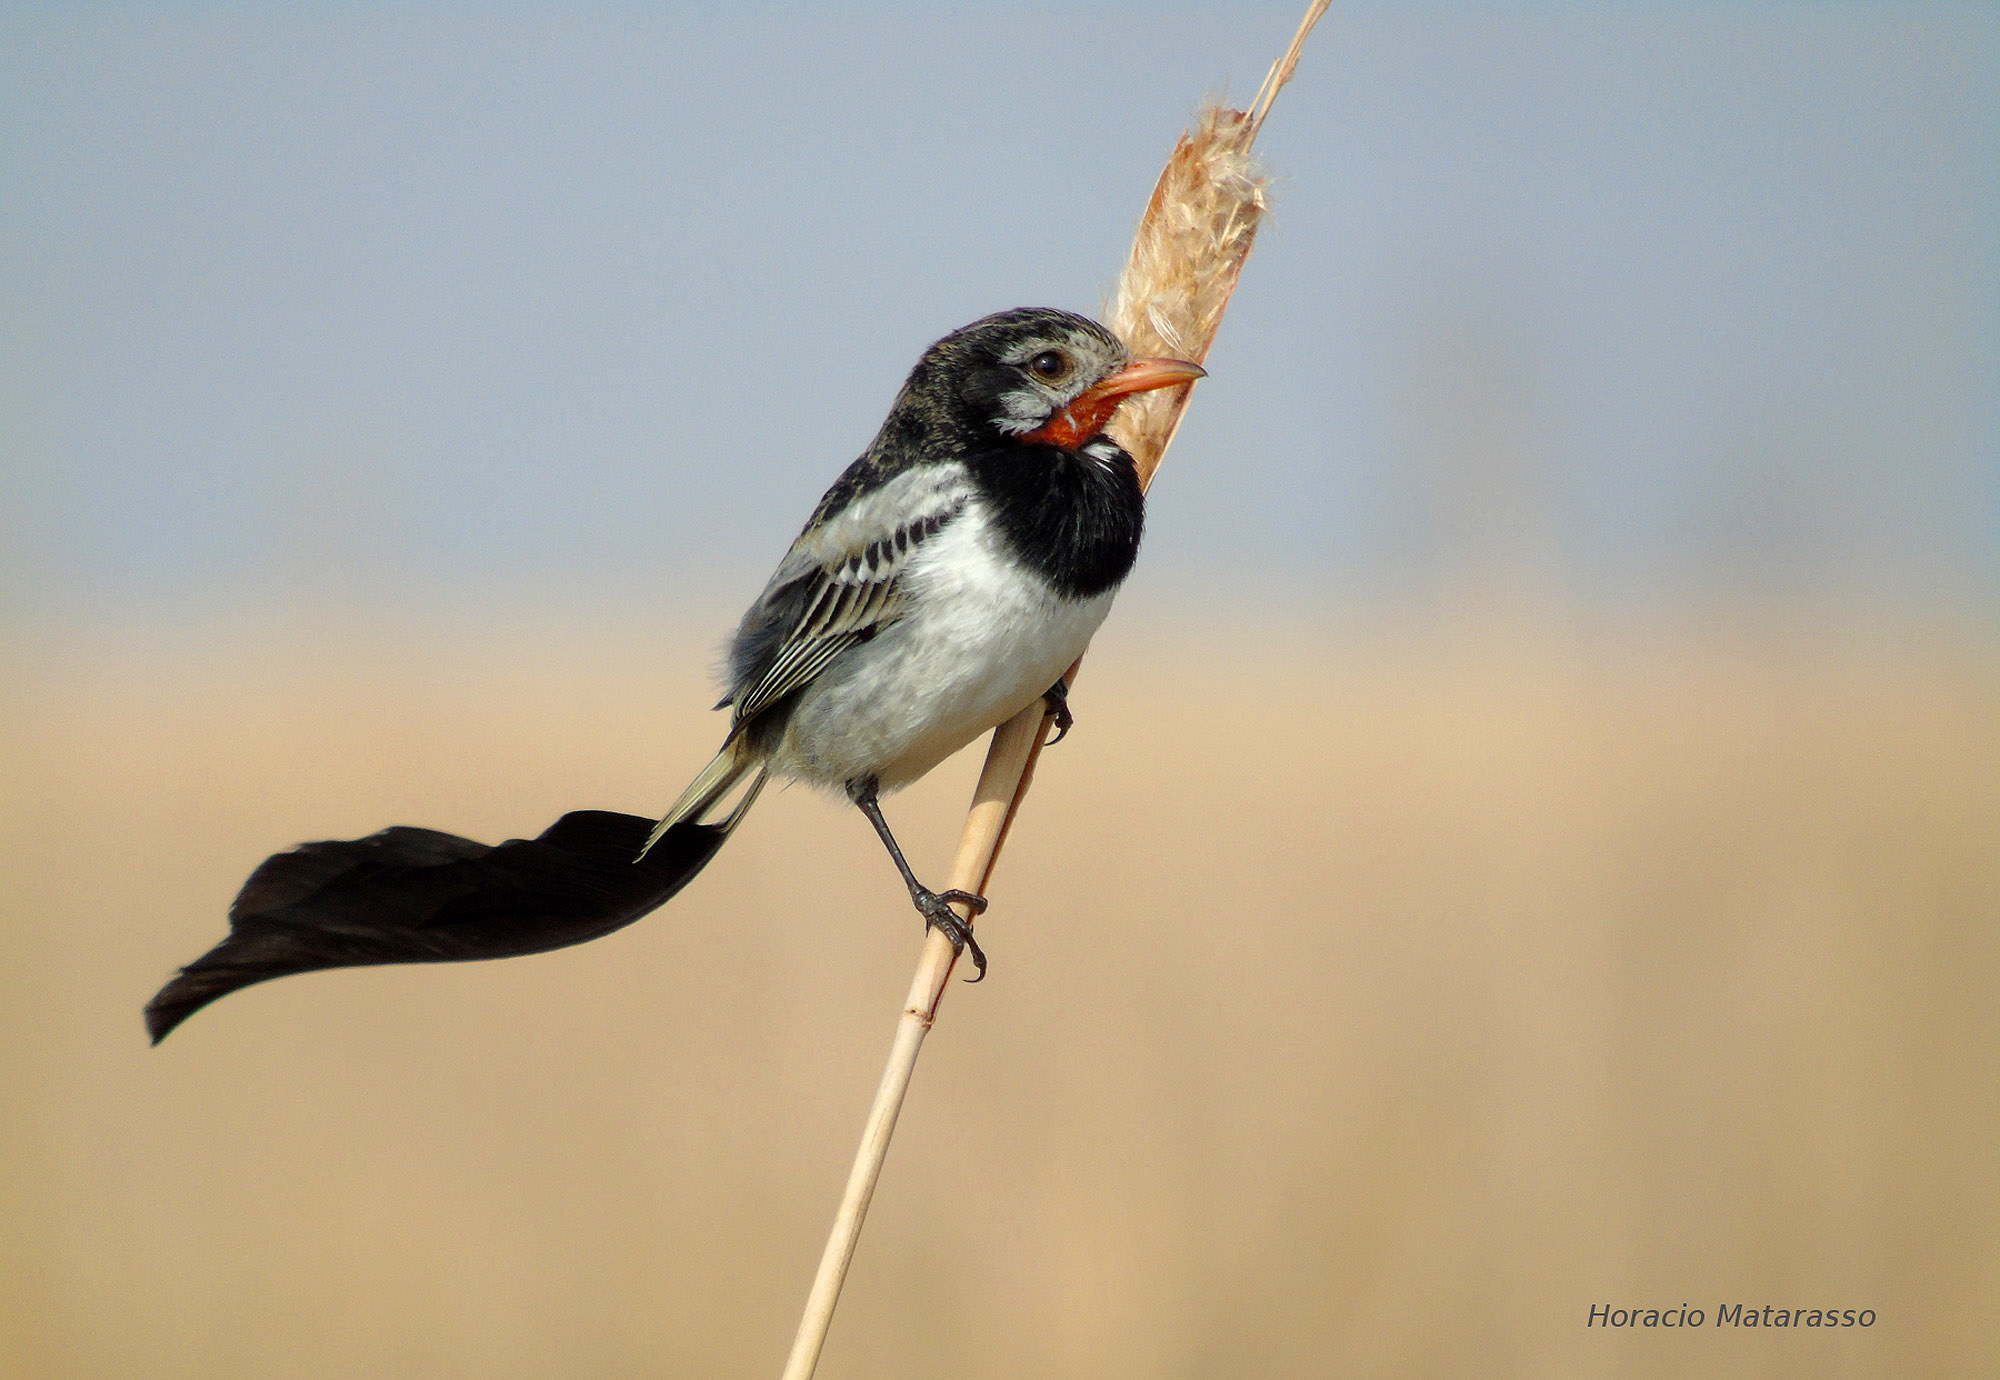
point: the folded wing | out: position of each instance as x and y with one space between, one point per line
841 584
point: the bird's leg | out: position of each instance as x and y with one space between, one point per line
934 906
1056 697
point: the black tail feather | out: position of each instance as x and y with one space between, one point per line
418 896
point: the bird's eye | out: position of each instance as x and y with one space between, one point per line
1049 365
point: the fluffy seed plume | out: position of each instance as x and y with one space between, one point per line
1185 260
1189 251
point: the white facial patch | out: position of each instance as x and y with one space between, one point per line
1026 408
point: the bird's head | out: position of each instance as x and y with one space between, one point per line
1040 376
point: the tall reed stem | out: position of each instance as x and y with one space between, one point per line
1190 248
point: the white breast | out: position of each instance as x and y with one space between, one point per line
983 638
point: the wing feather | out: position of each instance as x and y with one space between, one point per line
840 585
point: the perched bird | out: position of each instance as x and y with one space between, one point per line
946 581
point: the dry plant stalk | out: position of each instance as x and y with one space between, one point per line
1186 257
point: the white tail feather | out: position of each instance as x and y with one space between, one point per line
711 784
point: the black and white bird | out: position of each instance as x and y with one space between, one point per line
945 582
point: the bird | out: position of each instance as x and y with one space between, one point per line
946 581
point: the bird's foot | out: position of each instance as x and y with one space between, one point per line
1056 697
935 907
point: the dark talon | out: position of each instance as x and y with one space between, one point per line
935 907
1056 697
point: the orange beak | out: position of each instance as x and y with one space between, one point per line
1085 417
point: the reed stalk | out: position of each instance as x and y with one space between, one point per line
1186 257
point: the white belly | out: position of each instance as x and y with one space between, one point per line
982 640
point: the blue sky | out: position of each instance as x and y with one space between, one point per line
368 303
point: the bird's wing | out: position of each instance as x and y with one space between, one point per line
840 584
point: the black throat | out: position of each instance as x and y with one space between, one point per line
1073 519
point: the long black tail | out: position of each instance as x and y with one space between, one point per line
418 896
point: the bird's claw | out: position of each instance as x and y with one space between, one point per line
935 907
1056 697
966 898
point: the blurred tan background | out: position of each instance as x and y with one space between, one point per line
1532 836
1366 999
